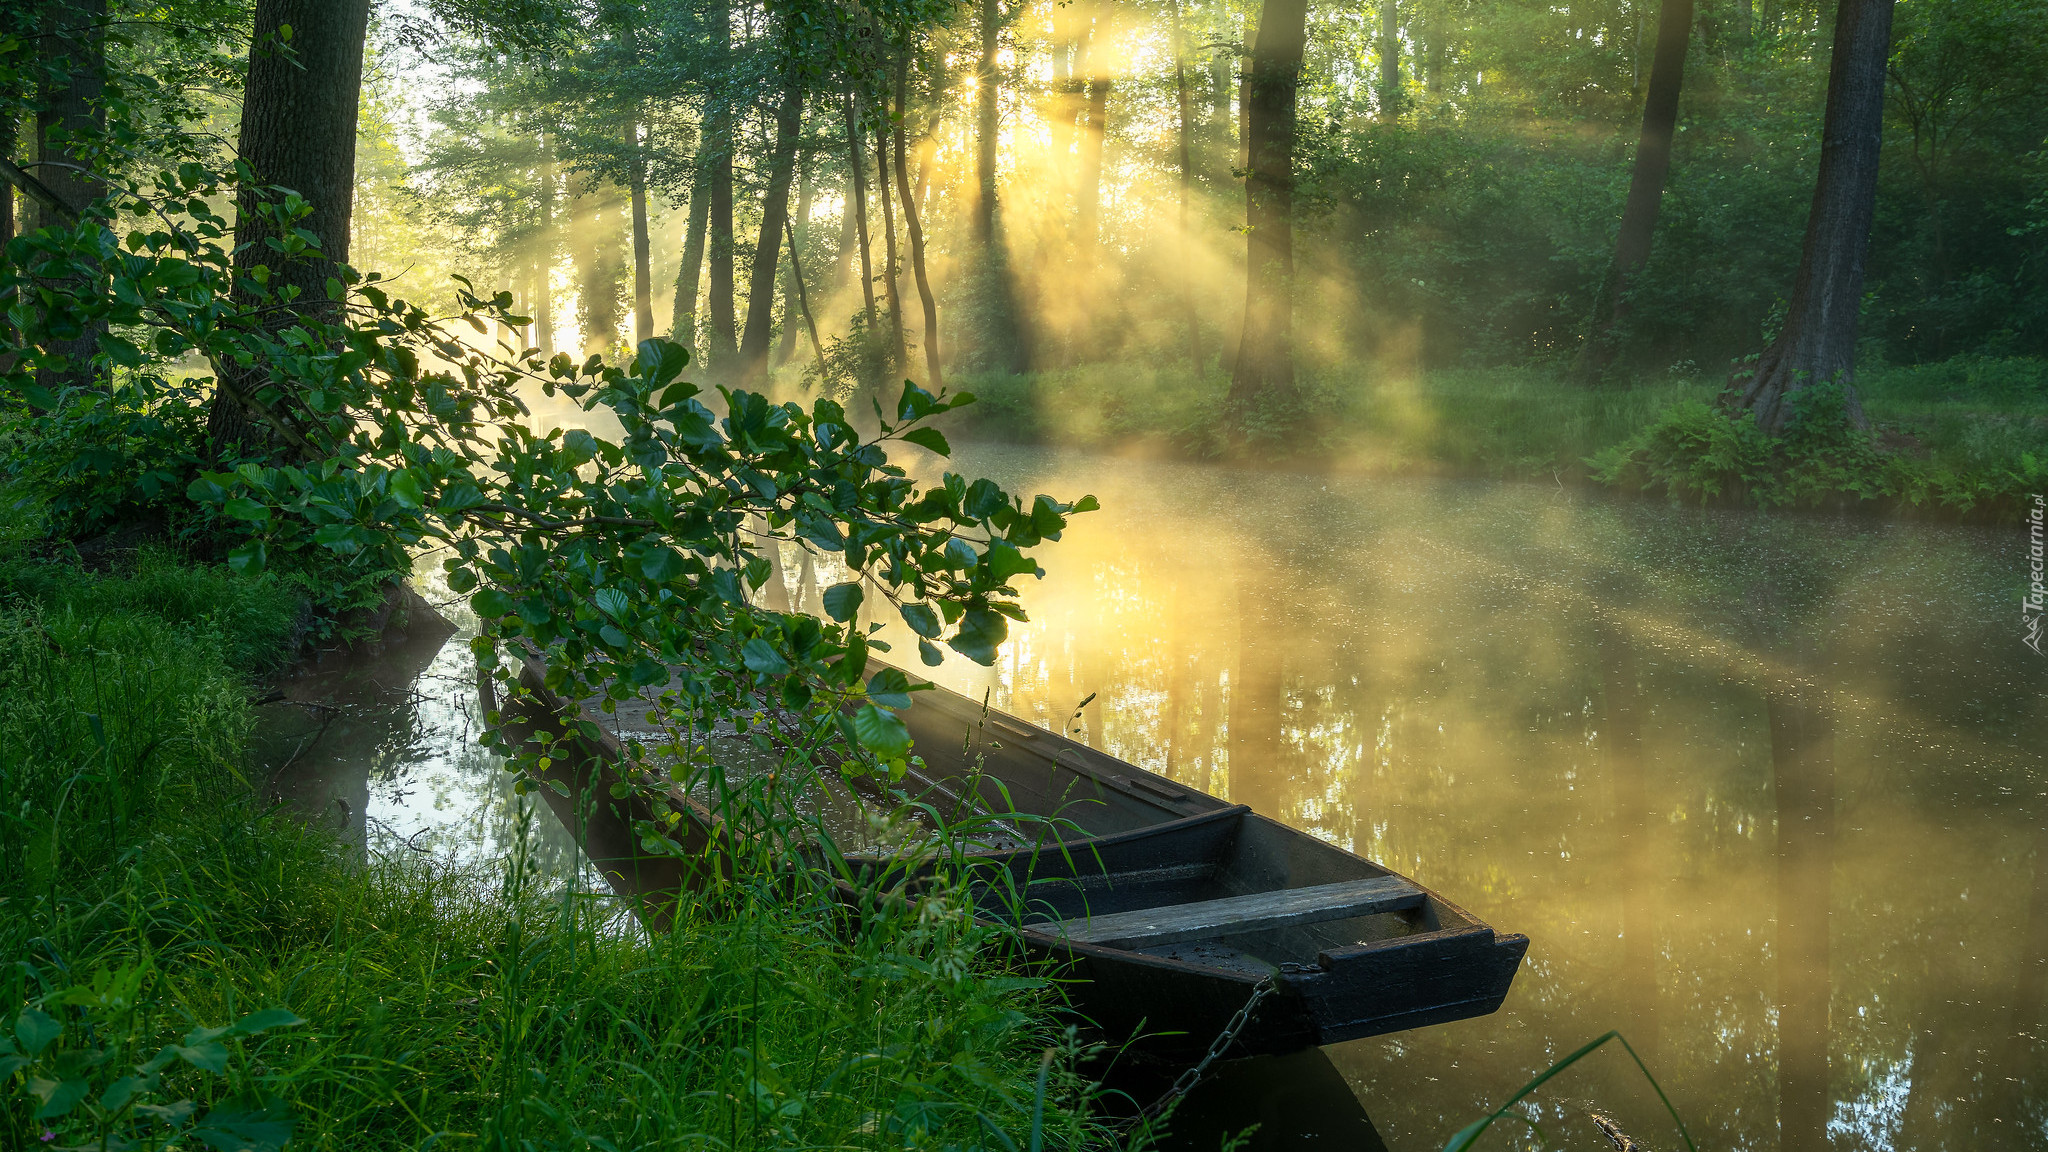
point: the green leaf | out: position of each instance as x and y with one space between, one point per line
256 1023
922 619
890 688
880 732
1005 560
661 564
612 602
760 656
211 1056
842 601
243 508
58 1096
249 559
930 438
251 1122
930 654
982 631
490 604
405 488
36 1030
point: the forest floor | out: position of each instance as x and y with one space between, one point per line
299 988
1965 437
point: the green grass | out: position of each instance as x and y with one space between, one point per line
144 898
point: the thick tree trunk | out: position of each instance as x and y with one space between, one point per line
599 261
1818 342
71 46
544 254
890 268
643 286
935 376
857 158
298 131
1185 145
683 313
718 140
1390 62
1646 185
753 350
1264 373
799 234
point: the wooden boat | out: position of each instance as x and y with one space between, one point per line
1165 906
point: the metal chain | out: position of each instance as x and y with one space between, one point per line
1187 1080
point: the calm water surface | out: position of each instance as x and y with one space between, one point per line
1767 793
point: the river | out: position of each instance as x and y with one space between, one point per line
1765 791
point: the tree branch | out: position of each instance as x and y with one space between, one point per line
36 190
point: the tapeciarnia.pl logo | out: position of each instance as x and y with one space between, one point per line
2037 593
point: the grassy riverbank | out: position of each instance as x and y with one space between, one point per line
1963 437
146 900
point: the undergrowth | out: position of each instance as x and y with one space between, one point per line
179 966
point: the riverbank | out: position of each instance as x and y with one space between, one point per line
1961 439
300 988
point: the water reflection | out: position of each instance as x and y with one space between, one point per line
380 743
1764 791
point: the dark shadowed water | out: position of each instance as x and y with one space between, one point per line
1766 792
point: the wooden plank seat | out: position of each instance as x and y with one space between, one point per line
1256 912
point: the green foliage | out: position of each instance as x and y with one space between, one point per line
1702 454
861 361
398 1004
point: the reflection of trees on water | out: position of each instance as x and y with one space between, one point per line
1439 677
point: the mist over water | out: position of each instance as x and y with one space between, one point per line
1729 772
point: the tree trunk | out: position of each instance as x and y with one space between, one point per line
857 157
70 44
1245 65
889 268
1185 144
1646 185
544 254
299 131
599 261
1094 117
935 376
753 351
718 137
1390 62
1818 342
987 125
1264 373
643 287
799 234
683 313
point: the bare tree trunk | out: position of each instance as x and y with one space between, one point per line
1646 185
683 313
299 131
544 254
859 180
1094 117
987 125
935 376
889 268
70 43
643 287
753 351
803 302
1818 342
1390 62
718 138
1264 373
799 233
1187 181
